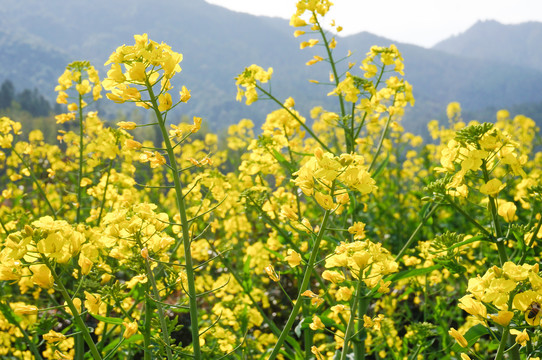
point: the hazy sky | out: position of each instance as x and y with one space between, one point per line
420 22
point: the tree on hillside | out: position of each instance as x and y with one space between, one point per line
7 94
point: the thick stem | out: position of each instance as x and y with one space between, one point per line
380 143
75 313
351 322
36 182
147 329
495 217
307 129
81 163
502 345
303 288
161 315
6 311
194 327
105 192
347 137
413 236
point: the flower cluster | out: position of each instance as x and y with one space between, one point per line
249 79
84 77
317 176
502 293
360 260
478 148
146 63
8 128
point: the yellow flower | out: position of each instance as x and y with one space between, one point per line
85 264
508 211
333 276
314 60
76 304
164 102
53 336
324 200
197 124
473 306
185 94
347 88
127 125
93 302
270 270
521 336
130 329
358 230
42 276
503 318
343 294
458 337
296 21
22 309
309 43
453 111
317 353
293 258
137 72
517 272
316 323
248 79
492 187
132 144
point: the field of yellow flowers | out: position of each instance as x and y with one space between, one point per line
335 237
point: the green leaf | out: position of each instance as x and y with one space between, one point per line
381 167
414 272
472 335
468 241
108 320
282 160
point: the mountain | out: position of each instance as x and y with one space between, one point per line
218 44
490 40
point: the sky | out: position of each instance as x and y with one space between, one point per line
419 22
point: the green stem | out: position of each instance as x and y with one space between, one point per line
4 227
307 334
347 137
105 192
6 311
528 246
365 115
359 345
147 330
303 288
307 129
274 328
184 224
79 346
495 217
380 143
502 345
161 315
81 172
36 182
468 217
75 313
413 236
351 322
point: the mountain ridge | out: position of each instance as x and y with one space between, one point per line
218 44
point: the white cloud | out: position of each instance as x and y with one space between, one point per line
421 22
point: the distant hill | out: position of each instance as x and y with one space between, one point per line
518 44
217 44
